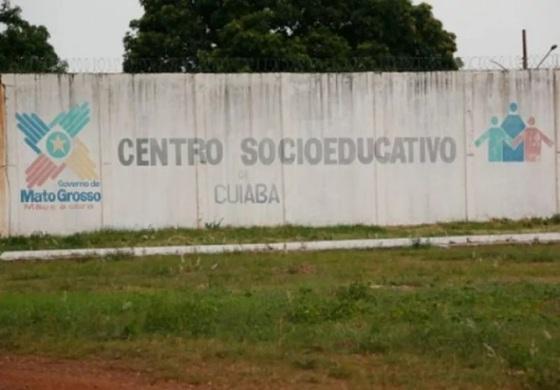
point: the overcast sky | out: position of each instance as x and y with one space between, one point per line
85 29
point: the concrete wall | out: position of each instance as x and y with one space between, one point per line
84 152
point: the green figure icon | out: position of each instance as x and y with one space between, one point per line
497 138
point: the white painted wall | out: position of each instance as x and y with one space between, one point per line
231 108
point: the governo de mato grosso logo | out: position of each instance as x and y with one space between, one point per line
57 145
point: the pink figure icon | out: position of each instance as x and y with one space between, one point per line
533 139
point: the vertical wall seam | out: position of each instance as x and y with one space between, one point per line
282 168
556 138
4 226
466 112
197 164
100 149
10 209
375 103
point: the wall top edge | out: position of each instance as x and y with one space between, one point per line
469 71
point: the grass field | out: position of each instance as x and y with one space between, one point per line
486 317
214 234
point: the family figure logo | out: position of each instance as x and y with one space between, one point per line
513 140
57 145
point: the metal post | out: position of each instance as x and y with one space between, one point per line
554 47
525 61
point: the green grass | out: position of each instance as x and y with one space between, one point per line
424 317
223 235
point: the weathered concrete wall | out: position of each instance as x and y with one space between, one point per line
87 152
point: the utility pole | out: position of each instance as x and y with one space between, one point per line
525 60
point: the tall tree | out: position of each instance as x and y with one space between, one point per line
287 35
23 46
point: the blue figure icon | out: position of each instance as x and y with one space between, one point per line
497 140
513 126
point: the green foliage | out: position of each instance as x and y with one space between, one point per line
215 233
493 324
287 35
474 314
25 47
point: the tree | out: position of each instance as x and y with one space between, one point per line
286 35
25 47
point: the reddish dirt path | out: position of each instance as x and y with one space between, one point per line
37 373
25 373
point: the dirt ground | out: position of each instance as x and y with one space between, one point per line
27 373
37 373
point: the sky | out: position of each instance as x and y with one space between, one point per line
89 33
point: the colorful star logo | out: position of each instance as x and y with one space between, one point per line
58 144
62 145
